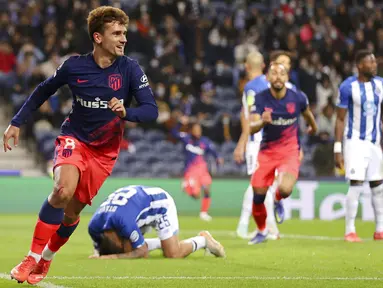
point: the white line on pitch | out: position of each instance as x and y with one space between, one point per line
215 278
41 284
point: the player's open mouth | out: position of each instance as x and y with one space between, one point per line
120 47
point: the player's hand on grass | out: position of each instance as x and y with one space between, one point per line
339 161
11 132
239 153
117 107
266 117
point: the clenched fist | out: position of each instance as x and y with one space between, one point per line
117 107
266 117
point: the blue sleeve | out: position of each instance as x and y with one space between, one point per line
129 229
147 109
42 92
258 107
183 136
211 149
344 95
303 101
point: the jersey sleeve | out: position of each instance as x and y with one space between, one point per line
182 136
211 149
248 100
344 95
258 106
147 109
42 92
303 101
129 229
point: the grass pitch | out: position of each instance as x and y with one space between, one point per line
311 254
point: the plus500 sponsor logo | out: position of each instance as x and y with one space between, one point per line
97 104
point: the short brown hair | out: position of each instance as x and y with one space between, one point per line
275 54
102 15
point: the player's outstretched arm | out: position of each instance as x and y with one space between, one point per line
339 129
140 252
310 120
41 94
241 145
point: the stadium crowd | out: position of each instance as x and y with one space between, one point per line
193 53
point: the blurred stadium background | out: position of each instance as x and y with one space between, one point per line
193 53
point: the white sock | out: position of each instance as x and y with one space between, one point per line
377 204
48 254
247 207
271 224
352 202
153 243
34 255
198 242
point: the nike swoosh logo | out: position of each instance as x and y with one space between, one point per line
81 81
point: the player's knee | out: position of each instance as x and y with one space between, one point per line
285 190
62 193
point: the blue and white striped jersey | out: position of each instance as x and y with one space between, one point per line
363 102
129 209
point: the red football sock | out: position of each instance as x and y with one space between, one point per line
278 195
260 215
59 238
56 242
43 232
205 204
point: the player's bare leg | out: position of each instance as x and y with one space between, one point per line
174 248
352 201
259 214
377 204
285 188
50 217
205 204
58 239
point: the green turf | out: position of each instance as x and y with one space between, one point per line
275 264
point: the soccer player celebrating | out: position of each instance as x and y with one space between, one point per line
276 112
103 84
361 96
249 144
118 225
196 173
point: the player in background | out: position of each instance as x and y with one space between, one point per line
276 112
103 84
248 145
196 173
360 97
118 225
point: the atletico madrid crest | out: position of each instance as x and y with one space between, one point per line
290 107
115 81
